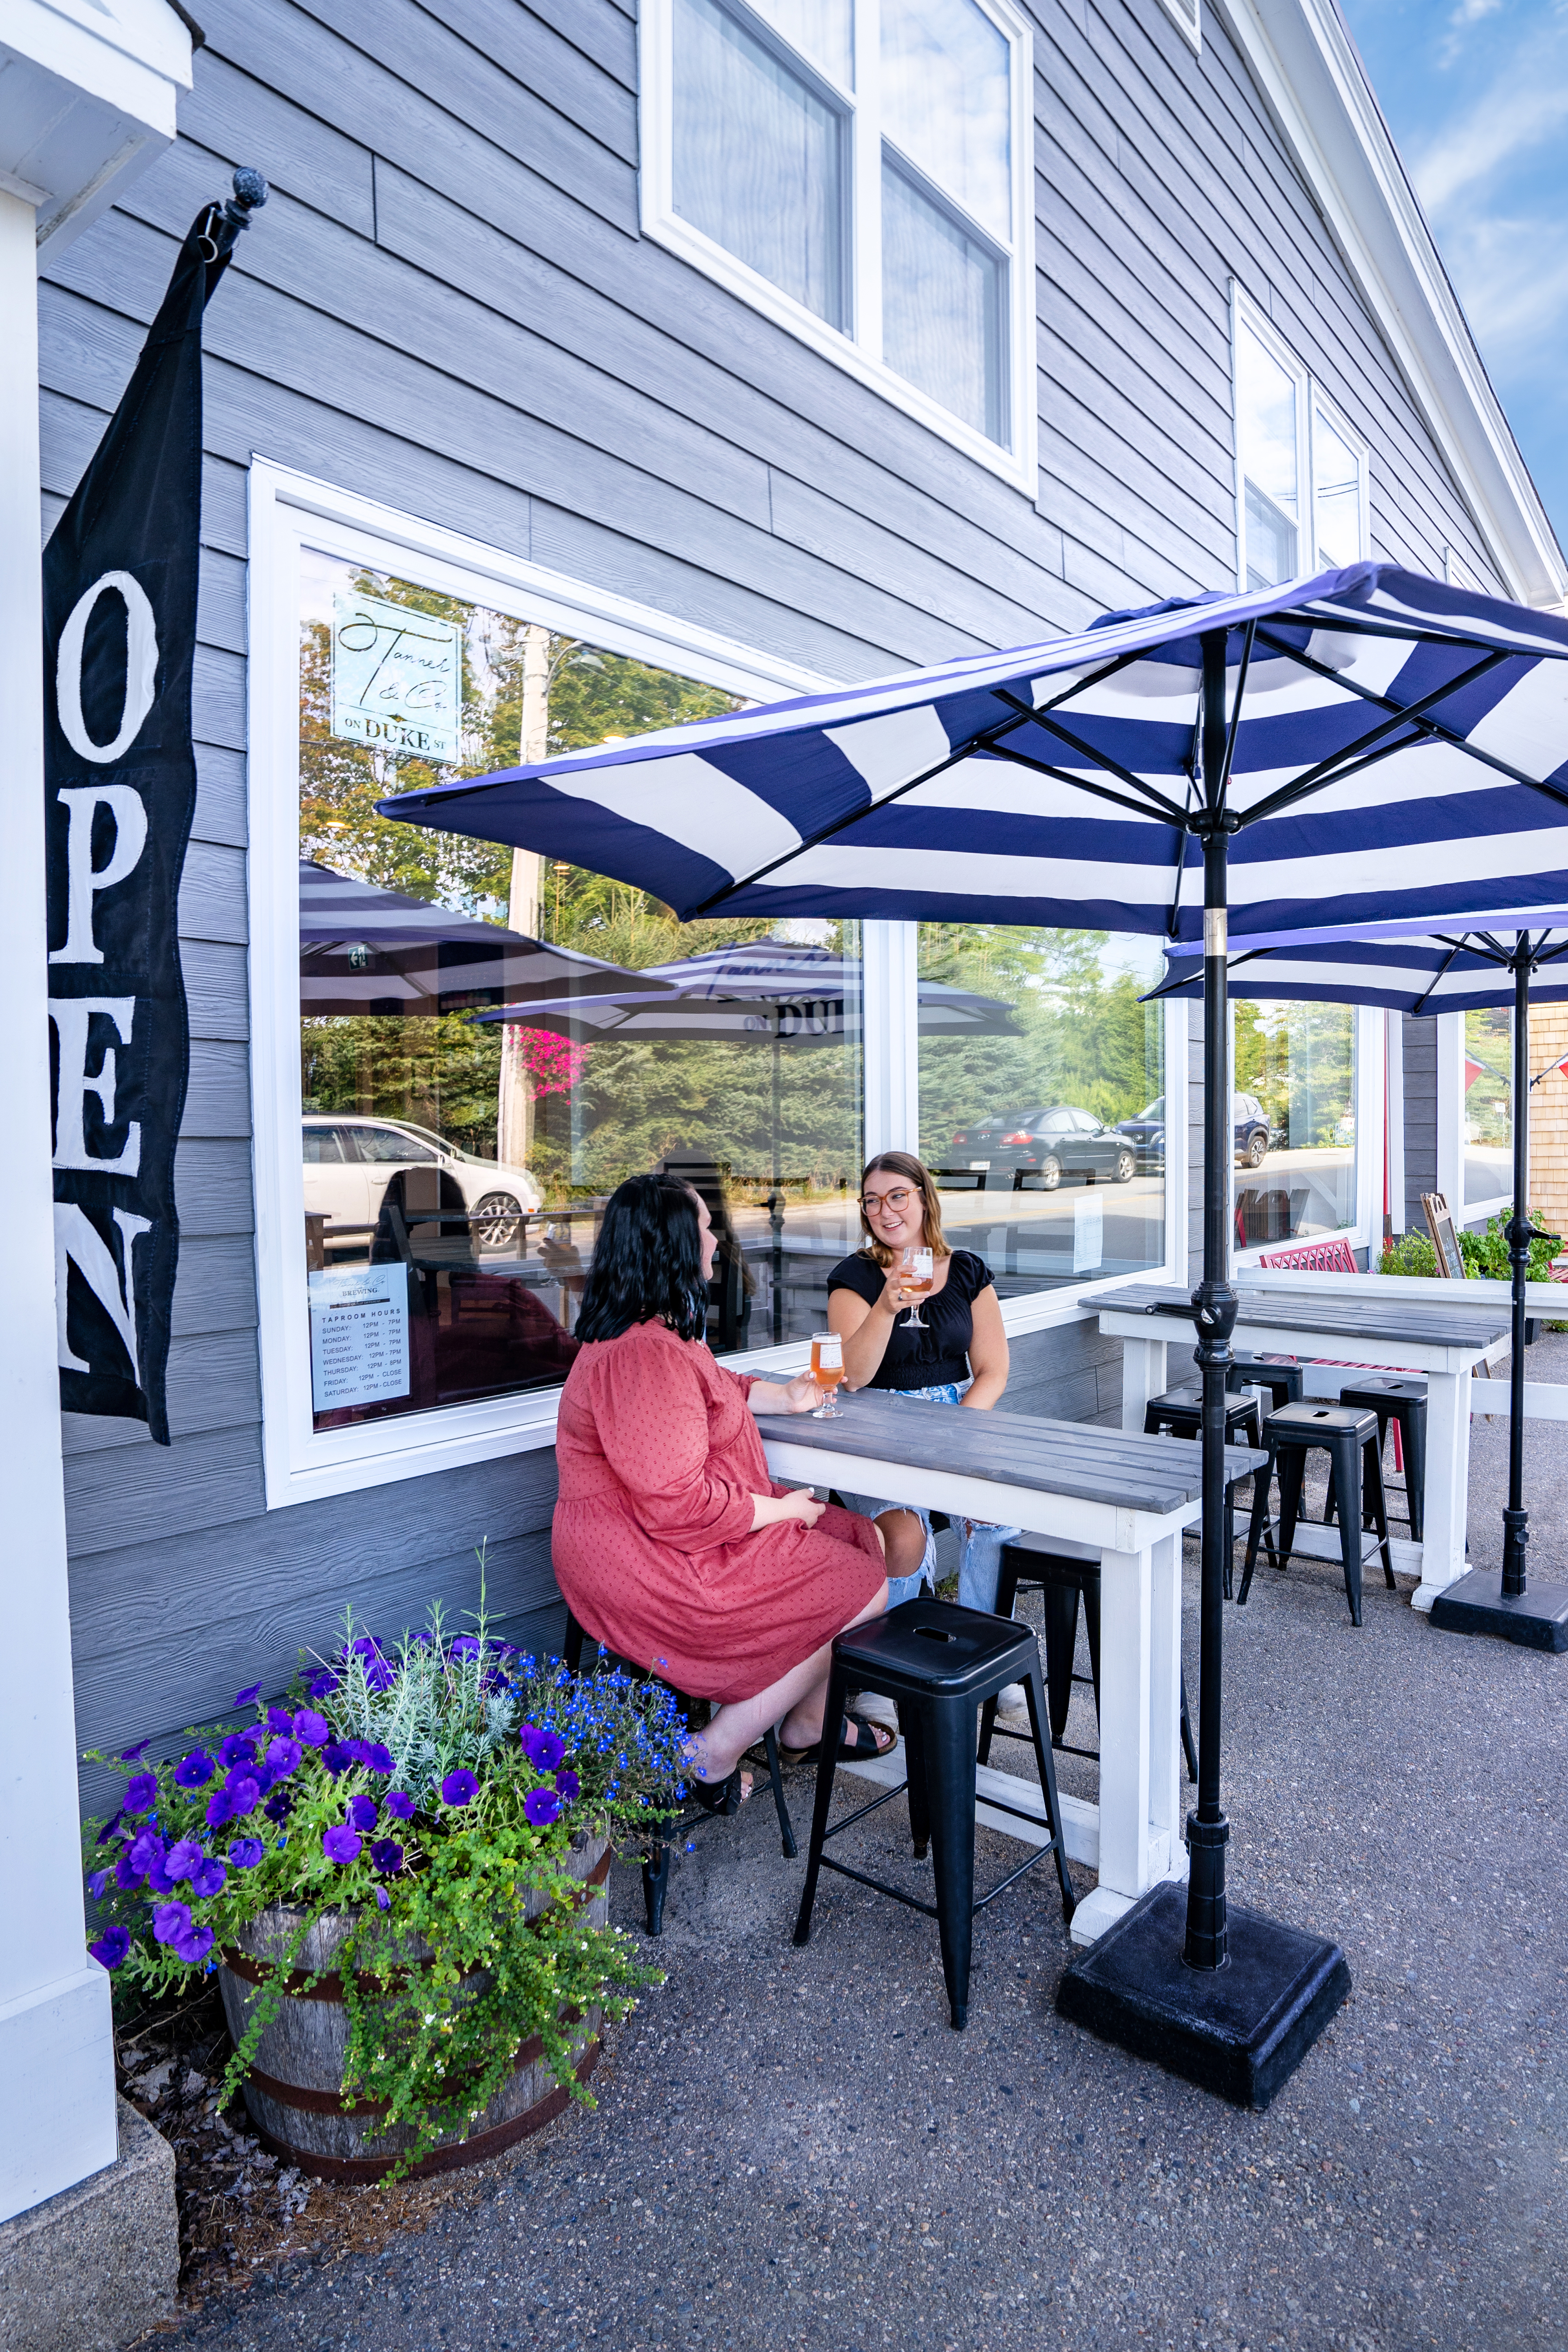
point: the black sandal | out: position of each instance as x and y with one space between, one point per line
719 1796
867 1743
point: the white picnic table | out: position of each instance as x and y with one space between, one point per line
1095 1493
1376 1320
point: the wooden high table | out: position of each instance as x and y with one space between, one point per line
1373 1321
1095 1493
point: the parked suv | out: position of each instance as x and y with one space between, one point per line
1251 1136
349 1162
1051 1144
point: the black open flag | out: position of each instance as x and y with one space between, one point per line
120 785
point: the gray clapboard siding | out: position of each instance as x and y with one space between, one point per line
225 488
536 56
214 1382
220 603
220 817
215 1289
217 1096
217 697
1419 1039
217 990
129 1494
231 115
212 893
212 1180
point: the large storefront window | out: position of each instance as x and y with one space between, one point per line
1294 1112
1042 1090
456 1166
1489 1110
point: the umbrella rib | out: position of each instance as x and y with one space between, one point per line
1412 633
1433 727
1234 728
1101 759
1440 975
1189 980
1082 784
1347 760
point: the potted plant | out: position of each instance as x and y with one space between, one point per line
397 1869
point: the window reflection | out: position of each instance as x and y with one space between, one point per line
1294 1120
1489 1109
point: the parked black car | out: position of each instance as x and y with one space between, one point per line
1050 1144
1147 1131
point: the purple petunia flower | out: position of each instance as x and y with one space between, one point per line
243 1790
400 1805
194 1945
311 1728
221 1808
542 1806
245 1853
337 1755
279 1719
376 1757
466 1645
543 1750
238 1748
246 1697
383 1900
171 1919
339 1844
130 1754
194 1771
362 1812
159 1881
283 1756
322 1682
127 1877
97 1883
141 1792
184 1859
459 1788
146 1851
379 1675
209 1880
278 1805
112 1946
388 1856
568 1786
108 1829
364 1645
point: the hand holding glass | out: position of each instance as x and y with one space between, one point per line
828 1371
920 1277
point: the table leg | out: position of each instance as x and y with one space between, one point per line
1140 1617
1447 1493
1142 1377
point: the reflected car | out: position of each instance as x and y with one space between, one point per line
1050 1144
1252 1138
349 1162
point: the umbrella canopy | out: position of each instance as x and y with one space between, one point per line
365 950
749 992
1395 751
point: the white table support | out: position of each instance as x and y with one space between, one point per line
1134 1837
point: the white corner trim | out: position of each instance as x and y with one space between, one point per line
1312 81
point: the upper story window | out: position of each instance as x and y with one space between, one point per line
1301 473
859 169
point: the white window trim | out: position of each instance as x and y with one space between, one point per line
1188 14
1369 1099
1017 464
288 510
1310 396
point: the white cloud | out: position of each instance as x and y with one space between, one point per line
1515 298
1523 108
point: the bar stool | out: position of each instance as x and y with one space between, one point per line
1283 1381
1400 1398
1179 1413
940 1664
1061 1579
1346 1432
669 1830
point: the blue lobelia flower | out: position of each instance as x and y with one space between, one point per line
112 1946
459 1788
339 1844
194 1771
542 1806
245 1853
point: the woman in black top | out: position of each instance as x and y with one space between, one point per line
959 1357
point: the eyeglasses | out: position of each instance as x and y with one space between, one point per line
897 1202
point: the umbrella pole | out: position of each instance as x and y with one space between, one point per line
1520 1232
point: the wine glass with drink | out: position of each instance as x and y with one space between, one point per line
828 1371
919 1275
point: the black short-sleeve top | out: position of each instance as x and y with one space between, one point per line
922 1359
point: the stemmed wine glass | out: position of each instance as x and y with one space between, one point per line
918 1273
828 1371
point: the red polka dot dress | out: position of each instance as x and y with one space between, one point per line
659 1457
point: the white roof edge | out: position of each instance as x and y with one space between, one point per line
1313 80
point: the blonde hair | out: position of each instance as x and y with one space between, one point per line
919 1176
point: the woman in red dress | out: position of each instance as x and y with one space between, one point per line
672 1543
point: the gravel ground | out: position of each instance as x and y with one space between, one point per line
792 2149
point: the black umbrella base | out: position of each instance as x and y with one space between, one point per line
1476 1603
1239 2032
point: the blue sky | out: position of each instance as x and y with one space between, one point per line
1476 92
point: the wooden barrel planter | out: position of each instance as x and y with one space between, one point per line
293 2092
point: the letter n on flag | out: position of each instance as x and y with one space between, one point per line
120 785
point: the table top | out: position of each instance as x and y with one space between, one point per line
1297 1306
1159 1475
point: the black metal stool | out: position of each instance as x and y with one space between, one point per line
1400 1397
1179 1413
1283 1381
667 1833
940 1664
1061 1579
1348 1433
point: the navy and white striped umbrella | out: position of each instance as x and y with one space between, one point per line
1462 968
1399 748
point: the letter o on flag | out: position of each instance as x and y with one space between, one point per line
140 668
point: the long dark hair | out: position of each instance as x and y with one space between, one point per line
647 1262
